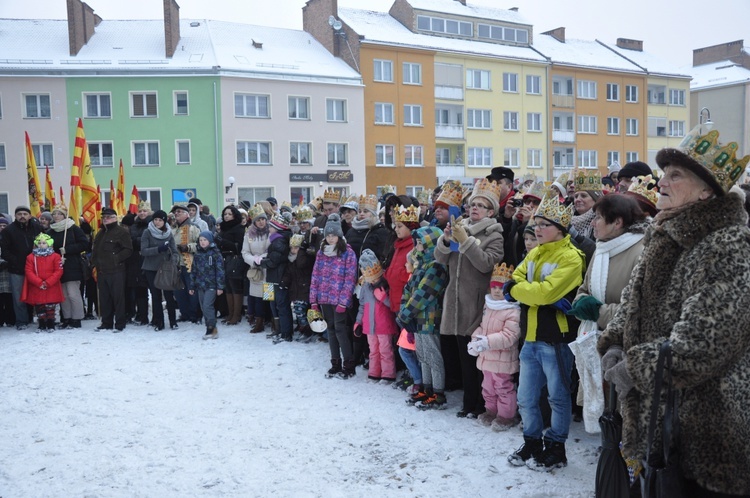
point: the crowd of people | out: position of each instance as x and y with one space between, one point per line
527 296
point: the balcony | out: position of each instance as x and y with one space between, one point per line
449 131
450 170
566 136
563 101
449 92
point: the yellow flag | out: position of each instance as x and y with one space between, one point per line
36 200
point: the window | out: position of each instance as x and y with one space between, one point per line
1 112
299 153
384 155
299 108
587 158
101 153
613 92
98 105
413 155
4 203
480 156
586 89
613 126
533 84
182 151
657 127
677 97
301 195
3 163
562 86
146 153
442 156
37 106
336 110
631 93
510 121
383 113
613 156
43 155
510 82
631 126
502 33
412 115
587 124
337 155
534 121
676 128
144 105
510 158
563 158
253 152
477 79
479 118
562 122
657 94
413 191
251 106
534 158
631 156
254 194
383 70
412 73
180 103
448 26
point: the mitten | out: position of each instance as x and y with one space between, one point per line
340 308
356 330
563 305
164 247
379 294
506 290
620 377
459 232
586 308
62 251
612 357
481 343
472 349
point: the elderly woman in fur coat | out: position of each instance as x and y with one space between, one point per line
691 286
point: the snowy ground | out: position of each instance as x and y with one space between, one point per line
147 413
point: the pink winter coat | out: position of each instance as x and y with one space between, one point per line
374 315
500 323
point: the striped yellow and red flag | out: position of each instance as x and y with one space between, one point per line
36 200
112 195
90 208
49 191
121 207
80 155
62 197
98 207
133 207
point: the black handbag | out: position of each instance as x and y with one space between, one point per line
661 476
234 266
168 276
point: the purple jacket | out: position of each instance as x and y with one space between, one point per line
334 278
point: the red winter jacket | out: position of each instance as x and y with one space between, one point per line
396 274
40 269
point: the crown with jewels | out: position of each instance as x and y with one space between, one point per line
407 215
586 180
387 189
424 196
552 210
529 177
296 240
645 186
452 193
369 202
502 273
537 189
487 188
255 211
716 163
331 196
304 214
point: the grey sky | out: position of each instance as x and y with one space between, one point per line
670 29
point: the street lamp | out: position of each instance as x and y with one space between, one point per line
230 181
709 124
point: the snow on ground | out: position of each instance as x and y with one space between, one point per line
147 413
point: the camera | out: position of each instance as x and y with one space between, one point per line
516 202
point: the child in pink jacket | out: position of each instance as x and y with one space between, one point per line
495 342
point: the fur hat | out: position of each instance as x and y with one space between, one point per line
43 236
160 214
370 266
207 235
333 226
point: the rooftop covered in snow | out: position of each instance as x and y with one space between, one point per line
453 7
585 53
718 74
649 62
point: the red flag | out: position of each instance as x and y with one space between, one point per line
133 207
112 195
98 205
62 197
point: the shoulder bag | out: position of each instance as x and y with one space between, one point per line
168 276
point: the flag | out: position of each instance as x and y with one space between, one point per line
90 206
133 207
112 195
121 209
98 207
80 155
32 180
49 191
62 197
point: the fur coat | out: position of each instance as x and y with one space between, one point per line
692 286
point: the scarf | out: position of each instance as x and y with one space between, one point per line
42 252
600 262
584 223
358 224
256 233
60 226
157 233
330 251
502 304
479 226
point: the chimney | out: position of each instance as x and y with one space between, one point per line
514 9
171 27
81 24
315 20
557 33
731 51
462 2
629 44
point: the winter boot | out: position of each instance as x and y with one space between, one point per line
275 328
349 370
259 326
51 325
553 457
423 392
230 310
64 324
530 450
436 401
74 324
42 324
211 332
237 316
335 368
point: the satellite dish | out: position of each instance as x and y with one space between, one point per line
337 25
331 20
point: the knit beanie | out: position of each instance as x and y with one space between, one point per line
279 222
333 226
208 236
162 215
22 208
370 266
4 221
46 216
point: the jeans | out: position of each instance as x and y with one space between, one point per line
540 366
19 307
281 308
412 363
187 304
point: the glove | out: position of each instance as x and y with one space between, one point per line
612 357
356 328
459 232
410 337
472 349
620 377
62 251
340 308
164 247
563 305
315 307
506 290
379 294
586 308
182 248
257 260
481 343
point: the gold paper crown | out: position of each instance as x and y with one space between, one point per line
424 196
528 177
372 272
552 210
720 160
537 189
255 211
144 205
316 204
587 180
487 188
368 202
286 204
304 214
296 240
331 196
387 189
60 206
313 315
452 193
645 186
502 273
406 215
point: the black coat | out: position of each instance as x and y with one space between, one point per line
229 240
17 242
298 276
374 238
135 277
277 258
112 248
76 243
